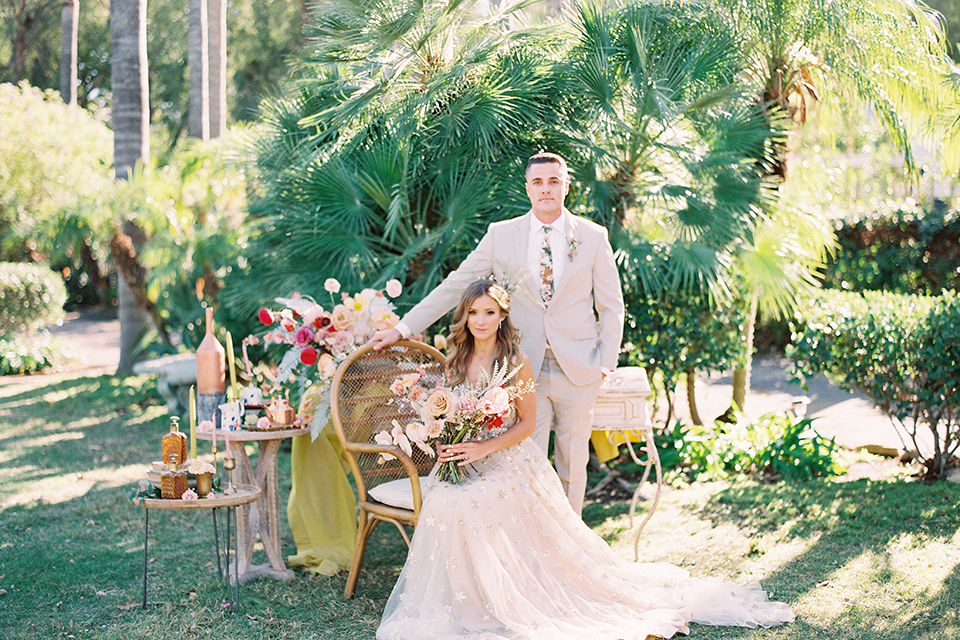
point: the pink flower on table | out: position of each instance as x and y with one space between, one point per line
263 422
205 426
189 494
495 401
303 336
386 320
394 288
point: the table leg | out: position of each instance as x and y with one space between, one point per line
146 528
263 516
216 542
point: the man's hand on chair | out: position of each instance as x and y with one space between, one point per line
385 338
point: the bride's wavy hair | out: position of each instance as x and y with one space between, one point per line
461 340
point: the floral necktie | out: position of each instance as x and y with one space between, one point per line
546 266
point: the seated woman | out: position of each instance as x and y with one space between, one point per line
504 556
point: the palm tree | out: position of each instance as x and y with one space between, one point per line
198 62
217 60
69 26
131 145
891 53
398 143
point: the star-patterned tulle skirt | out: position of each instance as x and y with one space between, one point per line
504 557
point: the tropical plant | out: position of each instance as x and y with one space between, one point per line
31 297
399 141
891 54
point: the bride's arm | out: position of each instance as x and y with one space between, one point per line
467 452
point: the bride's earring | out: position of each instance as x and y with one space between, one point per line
500 326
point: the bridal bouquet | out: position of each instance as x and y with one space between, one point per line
452 415
320 339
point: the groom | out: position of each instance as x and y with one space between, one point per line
566 301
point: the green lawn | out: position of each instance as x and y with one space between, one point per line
858 560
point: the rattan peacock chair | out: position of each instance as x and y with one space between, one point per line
361 406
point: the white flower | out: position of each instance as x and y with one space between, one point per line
331 285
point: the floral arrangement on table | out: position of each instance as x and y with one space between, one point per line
320 339
452 415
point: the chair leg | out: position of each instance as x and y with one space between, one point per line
358 552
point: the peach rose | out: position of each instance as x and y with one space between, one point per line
440 403
342 317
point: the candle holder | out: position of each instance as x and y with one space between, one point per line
230 464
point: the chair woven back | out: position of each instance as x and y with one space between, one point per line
362 405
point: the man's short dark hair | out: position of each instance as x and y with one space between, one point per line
548 158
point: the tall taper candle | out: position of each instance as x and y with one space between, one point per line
233 368
193 423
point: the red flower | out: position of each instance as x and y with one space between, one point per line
308 356
266 316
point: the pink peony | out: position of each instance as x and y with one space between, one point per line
303 336
495 401
394 288
189 494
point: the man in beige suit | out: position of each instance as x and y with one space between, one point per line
566 301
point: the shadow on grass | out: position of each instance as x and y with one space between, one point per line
844 522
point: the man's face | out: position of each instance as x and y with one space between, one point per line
547 186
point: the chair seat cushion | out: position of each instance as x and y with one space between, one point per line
396 493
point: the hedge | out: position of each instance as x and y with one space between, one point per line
31 297
903 351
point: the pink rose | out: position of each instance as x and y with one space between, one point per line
263 422
189 494
342 317
440 403
303 336
342 342
205 426
394 288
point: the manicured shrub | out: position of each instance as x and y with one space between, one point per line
903 351
31 297
22 354
906 251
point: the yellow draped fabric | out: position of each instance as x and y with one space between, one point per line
608 451
322 510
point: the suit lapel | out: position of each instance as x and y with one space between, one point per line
519 258
566 252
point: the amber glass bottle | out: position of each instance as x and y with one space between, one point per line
174 444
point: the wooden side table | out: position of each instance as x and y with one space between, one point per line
622 406
241 495
263 516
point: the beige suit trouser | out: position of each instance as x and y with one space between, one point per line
567 409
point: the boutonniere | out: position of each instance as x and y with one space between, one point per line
574 243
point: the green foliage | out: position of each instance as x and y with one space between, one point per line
191 205
22 354
907 251
56 167
31 297
777 445
677 331
902 351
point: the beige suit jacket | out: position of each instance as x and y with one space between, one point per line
583 323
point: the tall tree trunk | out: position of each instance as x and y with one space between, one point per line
198 62
217 56
131 141
691 377
23 26
69 25
741 375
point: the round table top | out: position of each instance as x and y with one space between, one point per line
246 435
242 494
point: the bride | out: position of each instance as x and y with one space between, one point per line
504 557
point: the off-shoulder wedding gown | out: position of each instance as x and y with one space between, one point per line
504 557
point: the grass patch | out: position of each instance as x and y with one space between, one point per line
864 560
